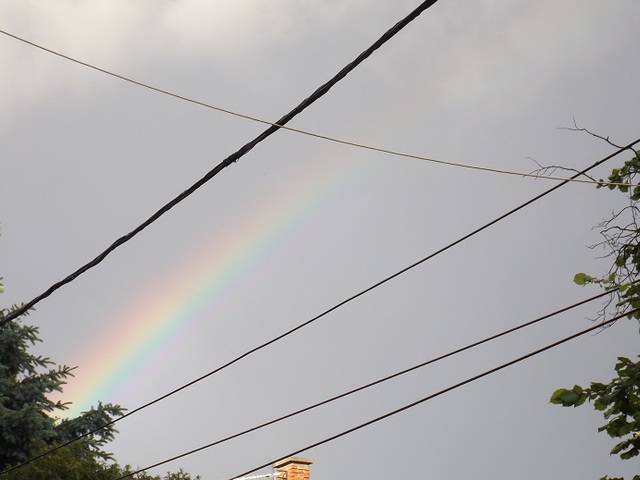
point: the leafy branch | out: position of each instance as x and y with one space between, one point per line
619 402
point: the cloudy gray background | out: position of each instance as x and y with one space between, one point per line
85 158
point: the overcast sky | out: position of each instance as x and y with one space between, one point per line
300 224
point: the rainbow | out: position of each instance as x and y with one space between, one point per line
168 315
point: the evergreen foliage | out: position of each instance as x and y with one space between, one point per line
28 422
27 414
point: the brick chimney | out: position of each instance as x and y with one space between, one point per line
293 468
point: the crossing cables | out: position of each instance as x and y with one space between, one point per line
234 157
372 148
344 302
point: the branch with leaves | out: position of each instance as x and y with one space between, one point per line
619 402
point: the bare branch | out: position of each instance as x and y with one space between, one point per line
576 128
620 235
550 170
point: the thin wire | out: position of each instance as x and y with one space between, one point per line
394 412
337 397
306 132
234 157
335 307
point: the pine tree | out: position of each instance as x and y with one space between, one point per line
29 426
27 414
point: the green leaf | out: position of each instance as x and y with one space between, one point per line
600 404
582 279
581 399
569 398
556 397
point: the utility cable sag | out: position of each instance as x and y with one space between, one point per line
306 132
344 302
324 402
401 409
234 157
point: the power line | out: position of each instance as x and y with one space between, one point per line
278 126
324 402
306 132
234 157
344 302
399 410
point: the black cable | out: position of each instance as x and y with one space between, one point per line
234 157
411 405
298 130
335 307
372 287
342 395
